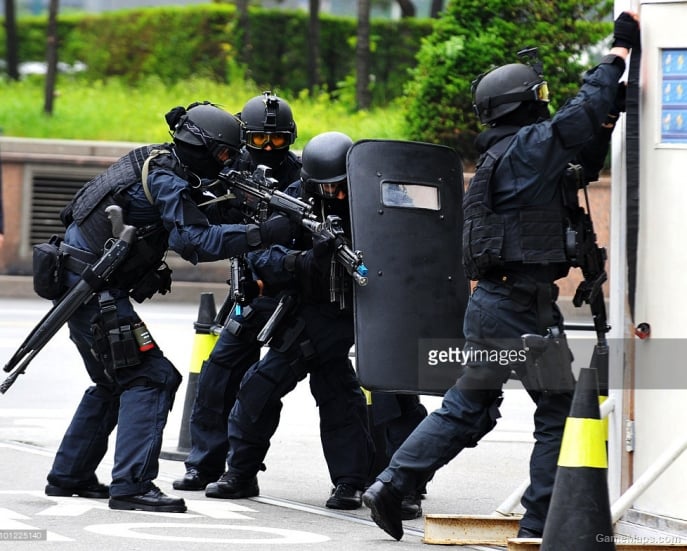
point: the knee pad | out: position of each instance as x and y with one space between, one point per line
255 394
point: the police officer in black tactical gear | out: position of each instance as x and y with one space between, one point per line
268 132
158 188
514 245
313 338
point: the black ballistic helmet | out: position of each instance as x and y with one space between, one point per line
206 125
504 89
267 113
324 164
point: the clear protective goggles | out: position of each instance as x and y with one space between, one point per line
332 190
260 140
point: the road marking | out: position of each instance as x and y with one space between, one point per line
136 530
219 510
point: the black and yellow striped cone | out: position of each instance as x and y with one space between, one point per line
203 343
579 516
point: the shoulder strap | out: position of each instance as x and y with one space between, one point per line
144 172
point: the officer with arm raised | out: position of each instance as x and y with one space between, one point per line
158 188
514 245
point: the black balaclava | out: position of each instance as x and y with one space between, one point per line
272 159
198 160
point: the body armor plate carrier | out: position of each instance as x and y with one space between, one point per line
528 235
87 209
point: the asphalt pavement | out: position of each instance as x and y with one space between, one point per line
288 514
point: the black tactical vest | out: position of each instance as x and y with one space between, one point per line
87 209
528 235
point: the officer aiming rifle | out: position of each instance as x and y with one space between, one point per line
258 197
92 279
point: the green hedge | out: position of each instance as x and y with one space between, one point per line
176 42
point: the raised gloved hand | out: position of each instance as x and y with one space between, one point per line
626 31
277 230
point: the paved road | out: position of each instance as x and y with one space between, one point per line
289 514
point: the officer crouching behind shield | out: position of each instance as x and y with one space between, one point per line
312 336
157 188
514 246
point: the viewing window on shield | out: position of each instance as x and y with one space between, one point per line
412 196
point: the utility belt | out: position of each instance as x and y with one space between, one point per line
548 359
522 288
156 280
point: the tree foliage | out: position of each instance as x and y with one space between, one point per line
473 36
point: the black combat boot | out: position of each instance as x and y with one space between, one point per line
411 506
346 497
96 490
193 480
385 506
153 500
232 486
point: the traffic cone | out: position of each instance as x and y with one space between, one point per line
579 515
203 344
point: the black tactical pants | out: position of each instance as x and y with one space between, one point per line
495 319
218 384
320 351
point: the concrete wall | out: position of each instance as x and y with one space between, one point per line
22 158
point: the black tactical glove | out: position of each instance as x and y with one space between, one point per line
277 230
250 289
626 31
323 244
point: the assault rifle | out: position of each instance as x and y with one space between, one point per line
235 299
92 279
259 197
351 260
585 253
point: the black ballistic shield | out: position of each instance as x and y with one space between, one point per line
406 210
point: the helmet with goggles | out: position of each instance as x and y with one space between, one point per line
268 121
205 125
324 164
504 89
